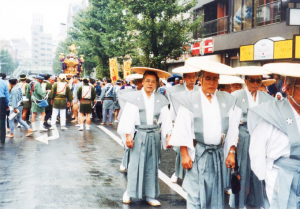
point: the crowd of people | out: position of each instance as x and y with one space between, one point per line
52 97
230 135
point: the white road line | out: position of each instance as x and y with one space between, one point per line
161 175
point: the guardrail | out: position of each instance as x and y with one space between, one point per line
214 27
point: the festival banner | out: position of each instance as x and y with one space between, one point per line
113 67
127 68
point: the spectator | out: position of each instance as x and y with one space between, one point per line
16 106
98 104
4 100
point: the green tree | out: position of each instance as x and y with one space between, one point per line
103 28
160 28
7 65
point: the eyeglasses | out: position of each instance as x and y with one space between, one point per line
150 81
252 80
215 79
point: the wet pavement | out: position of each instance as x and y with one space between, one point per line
80 169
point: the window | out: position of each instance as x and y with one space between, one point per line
42 54
266 12
43 43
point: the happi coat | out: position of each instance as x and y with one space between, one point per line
61 93
86 94
26 102
47 86
108 96
37 95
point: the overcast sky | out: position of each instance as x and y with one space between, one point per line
16 16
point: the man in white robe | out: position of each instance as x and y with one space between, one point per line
140 119
206 123
275 141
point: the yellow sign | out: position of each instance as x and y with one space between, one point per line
113 67
127 68
297 47
246 53
283 49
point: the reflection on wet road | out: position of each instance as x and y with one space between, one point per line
78 170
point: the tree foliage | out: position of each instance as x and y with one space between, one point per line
146 31
7 64
161 29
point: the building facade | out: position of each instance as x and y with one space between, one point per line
245 32
22 52
42 44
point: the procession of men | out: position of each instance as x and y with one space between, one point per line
230 135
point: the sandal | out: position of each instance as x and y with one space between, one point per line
102 123
28 134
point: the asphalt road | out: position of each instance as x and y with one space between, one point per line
80 169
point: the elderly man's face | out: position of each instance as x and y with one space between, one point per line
253 83
149 83
235 87
209 82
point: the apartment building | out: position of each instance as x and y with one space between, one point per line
42 44
247 32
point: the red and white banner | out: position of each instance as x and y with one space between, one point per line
196 48
206 46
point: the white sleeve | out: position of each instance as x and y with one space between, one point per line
233 130
129 119
267 144
183 131
166 124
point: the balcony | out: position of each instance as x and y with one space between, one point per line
213 28
268 13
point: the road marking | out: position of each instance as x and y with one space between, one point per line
45 138
161 175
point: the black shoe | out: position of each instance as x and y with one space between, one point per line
47 125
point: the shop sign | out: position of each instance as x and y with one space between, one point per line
296 53
264 49
246 53
196 48
205 46
283 49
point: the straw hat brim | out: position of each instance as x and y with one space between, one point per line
251 70
134 76
142 70
268 82
185 69
285 69
228 79
202 63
